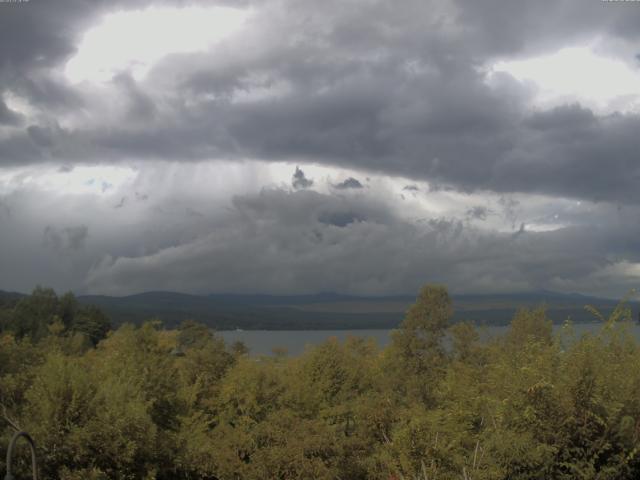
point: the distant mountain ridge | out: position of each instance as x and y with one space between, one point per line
264 299
328 310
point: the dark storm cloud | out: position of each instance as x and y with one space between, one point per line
349 183
340 219
479 212
566 118
299 180
42 136
306 207
51 94
360 84
589 158
530 27
18 148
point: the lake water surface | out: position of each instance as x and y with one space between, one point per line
263 342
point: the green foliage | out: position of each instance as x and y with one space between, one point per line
530 326
437 403
44 313
91 322
416 355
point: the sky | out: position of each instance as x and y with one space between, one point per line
362 147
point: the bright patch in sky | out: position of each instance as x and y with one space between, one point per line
133 41
18 103
101 180
578 74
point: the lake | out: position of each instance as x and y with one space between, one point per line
262 342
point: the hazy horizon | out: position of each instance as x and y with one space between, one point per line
629 296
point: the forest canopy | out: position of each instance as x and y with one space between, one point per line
145 402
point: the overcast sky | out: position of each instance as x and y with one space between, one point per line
300 146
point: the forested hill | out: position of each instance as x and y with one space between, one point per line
327 310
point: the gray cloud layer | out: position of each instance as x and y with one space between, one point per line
180 235
368 85
359 84
283 242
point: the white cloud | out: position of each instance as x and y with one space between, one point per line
134 40
578 74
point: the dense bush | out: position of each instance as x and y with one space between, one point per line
147 403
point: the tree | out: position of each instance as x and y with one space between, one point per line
33 314
68 308
530 326
416 349
92 322
193 334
